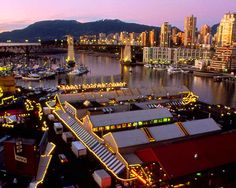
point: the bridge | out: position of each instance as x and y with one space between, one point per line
61 45
19 47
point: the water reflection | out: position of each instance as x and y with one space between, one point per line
105 69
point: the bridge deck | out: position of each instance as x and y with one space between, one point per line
9 44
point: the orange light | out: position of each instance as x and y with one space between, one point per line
139 177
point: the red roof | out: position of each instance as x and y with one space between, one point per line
190 156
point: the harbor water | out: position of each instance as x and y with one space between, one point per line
104 68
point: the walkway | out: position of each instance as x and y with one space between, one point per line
111 162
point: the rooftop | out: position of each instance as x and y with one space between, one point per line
130 138
201 126
129 117
166 132
190 156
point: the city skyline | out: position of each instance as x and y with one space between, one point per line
153 12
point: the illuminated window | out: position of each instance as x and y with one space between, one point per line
168 119
101 128
135 124
140 123
107 128
113 127
118 126
160 120
95 129
164 120
129 124
124 125
155 121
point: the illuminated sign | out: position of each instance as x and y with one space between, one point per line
189 98
18 150
93 86
28 105
20 159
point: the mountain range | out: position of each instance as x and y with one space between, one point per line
58 29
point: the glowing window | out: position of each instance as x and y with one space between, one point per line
124 125
107 128
135 124
113 127
118 126
101 128
140 123
164 120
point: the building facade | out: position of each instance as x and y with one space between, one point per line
165 35
226 34
173 55
224 59
152 38
204 37
190 31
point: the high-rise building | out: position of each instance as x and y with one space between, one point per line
132 38
204 37
190 31
143 38
152 38
165 35
124 37
226 32
204 31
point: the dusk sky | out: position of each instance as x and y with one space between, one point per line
17 14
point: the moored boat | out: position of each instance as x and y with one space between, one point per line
79 71
32 77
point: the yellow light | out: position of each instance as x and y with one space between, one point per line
7 98
1 92
189 98
139 177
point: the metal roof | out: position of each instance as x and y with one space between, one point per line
201 126
129 117
166 132
194 155
130 138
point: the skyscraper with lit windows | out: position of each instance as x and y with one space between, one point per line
190 31
226 32
152 38
165 35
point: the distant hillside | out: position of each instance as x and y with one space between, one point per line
49 30
214 29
